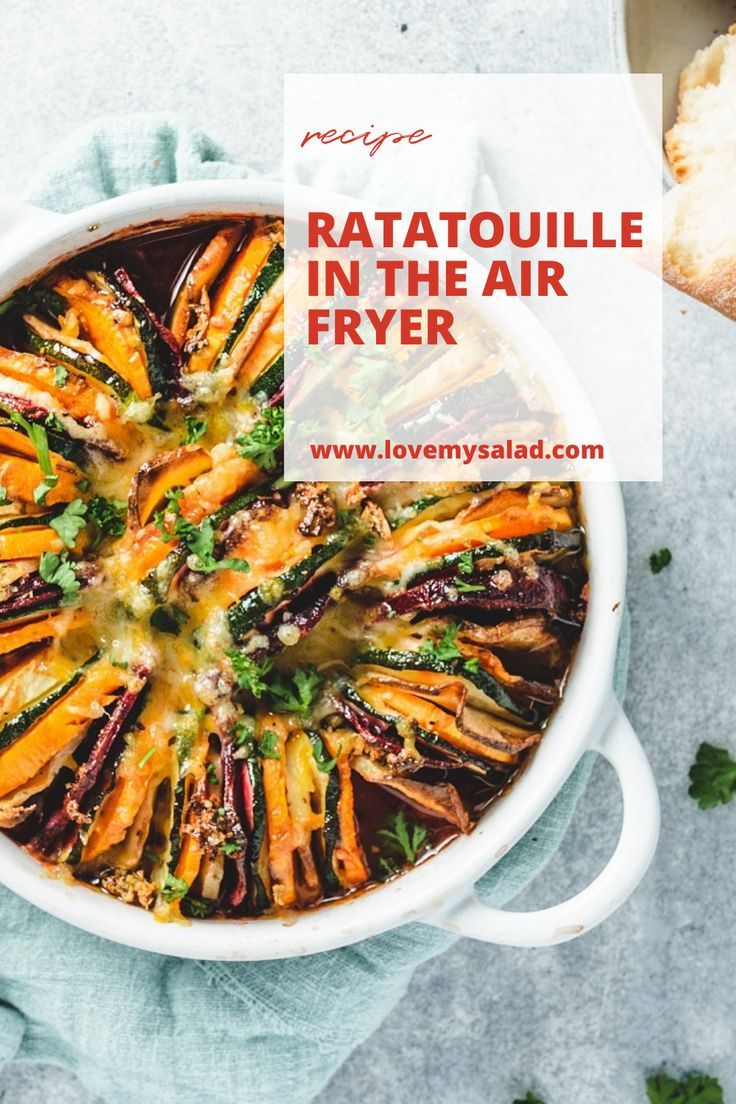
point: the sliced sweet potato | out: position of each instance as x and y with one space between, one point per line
146 760
61 726
111 329
77 396
265 350
228 477
278 818
192 300
153 479
231 295
349 859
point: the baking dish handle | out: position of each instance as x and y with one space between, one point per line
618 879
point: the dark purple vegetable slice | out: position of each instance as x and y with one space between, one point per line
236 894
62 828
507 588
29 595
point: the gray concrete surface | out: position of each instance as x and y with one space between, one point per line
583 1023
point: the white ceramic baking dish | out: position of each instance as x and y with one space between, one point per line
438 892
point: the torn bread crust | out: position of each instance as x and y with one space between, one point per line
699 255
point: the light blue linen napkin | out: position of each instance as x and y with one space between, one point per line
138 1027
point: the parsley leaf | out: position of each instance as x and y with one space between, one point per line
403 839
212 776
530 1098
249 675
466 588
174 889
70 522
196 428
465 563
262 443
472 665
42 489
324 764
61 375
197 908
38 437
199 540
268 744
3 494
244 734
58 571
230 847
693 1088
296 693
712 777
445 648
659 560
107 515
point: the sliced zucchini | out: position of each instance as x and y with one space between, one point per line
252 608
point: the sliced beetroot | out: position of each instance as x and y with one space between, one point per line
506 588
62 827
237 891
29 595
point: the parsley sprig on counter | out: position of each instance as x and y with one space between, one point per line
712 777
693 1088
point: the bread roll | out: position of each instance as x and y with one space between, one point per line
700 211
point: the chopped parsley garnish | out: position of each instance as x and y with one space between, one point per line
58 571
268 744
212 776
402 841
465 563
244 734
174 889
199 540
197 908
70 522
196 428
659 560
107 517
297 692
472 665
54 422
466 588
445 648
693 1088
530 1098
324 764
712 777
38 437
61 375
249 675
147 758
230 847
263 442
